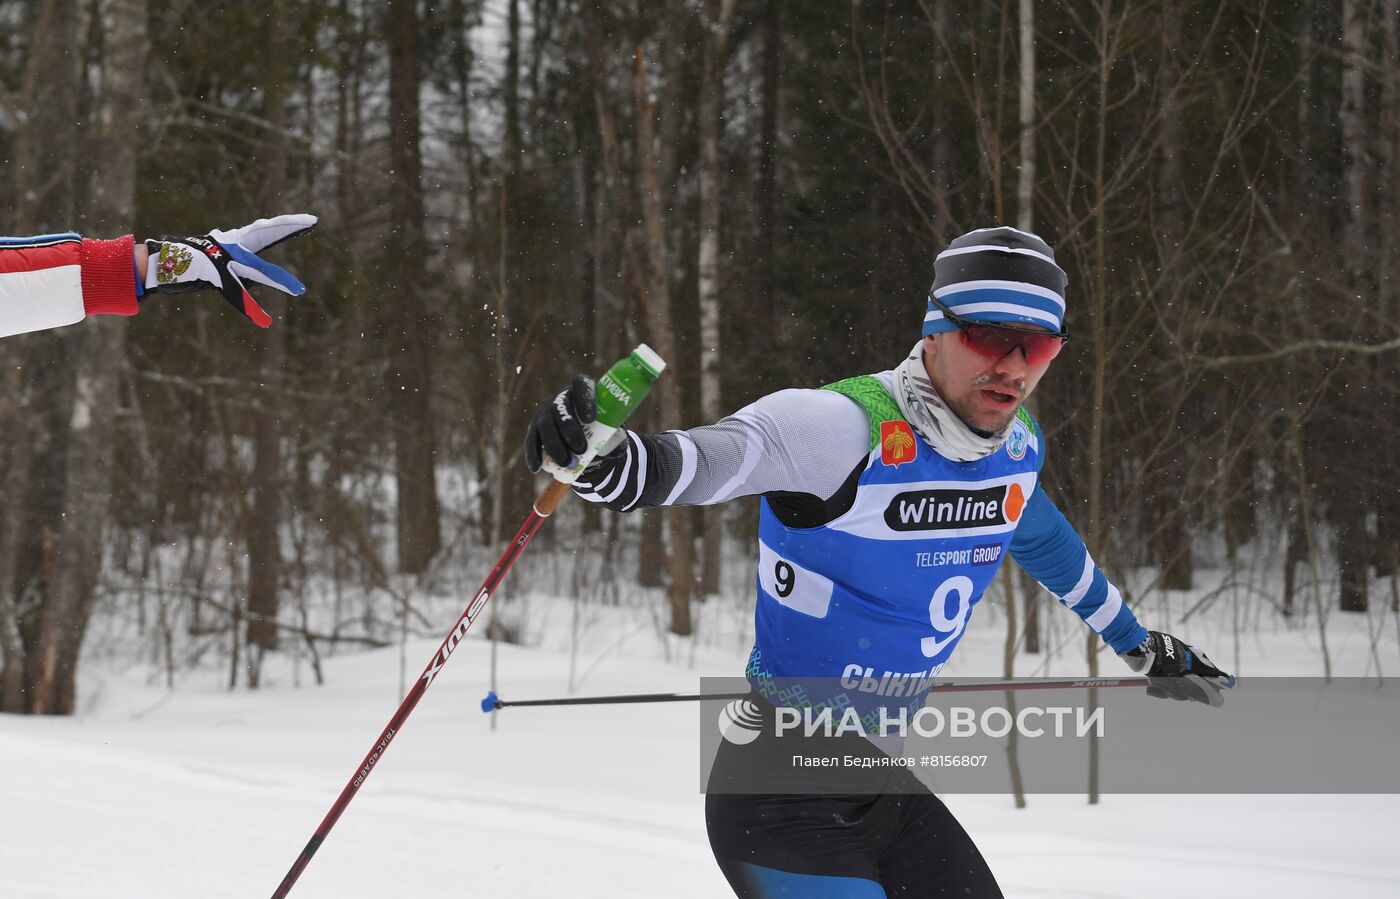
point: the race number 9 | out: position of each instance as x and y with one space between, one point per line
783 578
947 627
789 584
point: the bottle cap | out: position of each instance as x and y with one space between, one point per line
646 357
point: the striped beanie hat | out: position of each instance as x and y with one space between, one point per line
997 275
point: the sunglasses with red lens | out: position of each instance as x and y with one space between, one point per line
995 341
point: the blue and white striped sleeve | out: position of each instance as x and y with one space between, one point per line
1047 547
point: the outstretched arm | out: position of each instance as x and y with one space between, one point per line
799 442
53 280
1046 545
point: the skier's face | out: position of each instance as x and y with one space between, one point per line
984 393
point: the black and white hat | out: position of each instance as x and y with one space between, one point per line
997 275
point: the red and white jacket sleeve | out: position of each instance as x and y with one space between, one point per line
59 279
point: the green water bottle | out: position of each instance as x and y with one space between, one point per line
619 391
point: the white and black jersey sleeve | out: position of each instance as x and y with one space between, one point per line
797 447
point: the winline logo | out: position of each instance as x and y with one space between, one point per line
940 510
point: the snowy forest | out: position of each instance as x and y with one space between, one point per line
515 191
223 548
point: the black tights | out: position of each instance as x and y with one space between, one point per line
845 847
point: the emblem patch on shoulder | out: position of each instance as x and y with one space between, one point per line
897 443
1017 441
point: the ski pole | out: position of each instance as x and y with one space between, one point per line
492 702
619 392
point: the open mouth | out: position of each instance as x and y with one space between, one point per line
999 397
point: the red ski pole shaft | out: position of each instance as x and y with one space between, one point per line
545 505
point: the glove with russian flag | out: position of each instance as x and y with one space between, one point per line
1177 670
226 261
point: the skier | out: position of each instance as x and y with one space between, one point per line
889 501
54 280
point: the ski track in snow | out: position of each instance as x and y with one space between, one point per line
212 794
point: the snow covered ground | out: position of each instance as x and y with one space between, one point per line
203 792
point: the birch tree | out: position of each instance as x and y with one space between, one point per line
715 18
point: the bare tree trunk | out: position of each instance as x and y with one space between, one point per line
587 177
1165 498
768 171
1099 325
1353 117
1348 506
1239 493
640 270
715 26
1387 496
943 154
1031 589
474 243
1306 112
512 84
586 188
1025 183
44 158
52 388
264 547
502 328
651 551
1347 513
1008 671
661 334
502 324
45 173
1293 555
1314 565
15 463
1383 142
77 552
1025 220
616 197
591 290
513 492
419 534
122 95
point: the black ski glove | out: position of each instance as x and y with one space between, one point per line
557 429
1178 670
